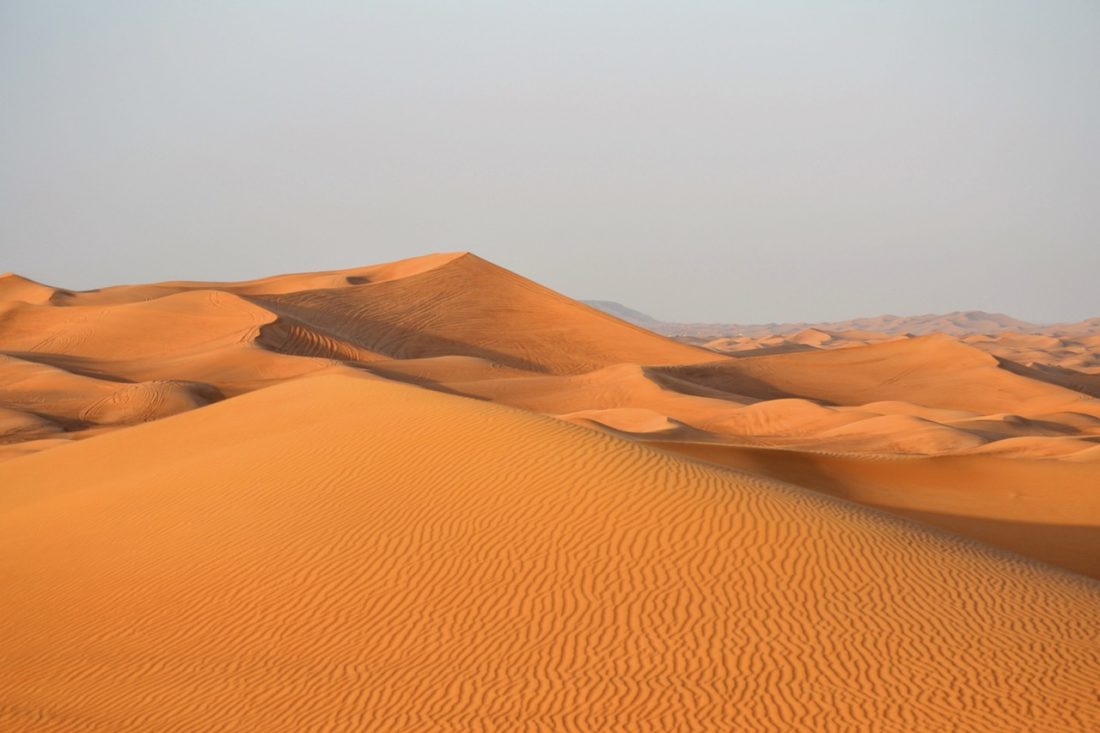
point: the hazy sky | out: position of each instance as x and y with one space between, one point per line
733 161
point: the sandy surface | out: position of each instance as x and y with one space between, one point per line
346 552
434 495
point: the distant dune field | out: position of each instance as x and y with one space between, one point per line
434 495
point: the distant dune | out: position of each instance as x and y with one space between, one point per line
434 495
957 323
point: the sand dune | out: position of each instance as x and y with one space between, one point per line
616 387
439 305
350 553
467 306
788 417
434 495
457 323
203 336
16 289
635 421
275 285
934 371
901 434
1049 510
40 400
1066 358
172 324
18 425
100 360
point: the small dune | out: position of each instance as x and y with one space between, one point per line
932 371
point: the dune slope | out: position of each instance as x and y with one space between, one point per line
1044 509
933 371
443 313
347 553
469 307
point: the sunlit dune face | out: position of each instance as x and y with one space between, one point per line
434 495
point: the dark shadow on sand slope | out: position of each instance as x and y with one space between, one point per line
77 365
725 377
384 337
1070 546
1059 376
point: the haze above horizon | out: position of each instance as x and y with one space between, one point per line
701 162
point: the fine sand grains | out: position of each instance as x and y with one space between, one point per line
346 553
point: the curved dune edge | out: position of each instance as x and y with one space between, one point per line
346 553
457 323
1041 509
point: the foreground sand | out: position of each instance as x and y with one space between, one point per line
343 552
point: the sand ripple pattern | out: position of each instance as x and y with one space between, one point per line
345 553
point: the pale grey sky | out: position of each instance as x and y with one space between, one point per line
723 161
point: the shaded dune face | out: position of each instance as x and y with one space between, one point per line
1066 355
1044 509
235 337
473 308
348 553
932 371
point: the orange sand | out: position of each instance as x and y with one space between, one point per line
349 553
434 495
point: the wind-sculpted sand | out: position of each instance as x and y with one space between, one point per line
1045 509
346 553
434 495
457 323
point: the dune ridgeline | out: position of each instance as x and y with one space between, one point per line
433 495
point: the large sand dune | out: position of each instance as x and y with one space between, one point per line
346 553
81 363
434 495
471 307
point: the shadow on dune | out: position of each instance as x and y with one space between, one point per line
1059 376
373 335
415 380
723 377
1070 546
72 364
770 351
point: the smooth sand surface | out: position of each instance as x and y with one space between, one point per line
350 553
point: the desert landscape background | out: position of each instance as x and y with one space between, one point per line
432 494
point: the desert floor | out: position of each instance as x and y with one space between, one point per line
434 495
